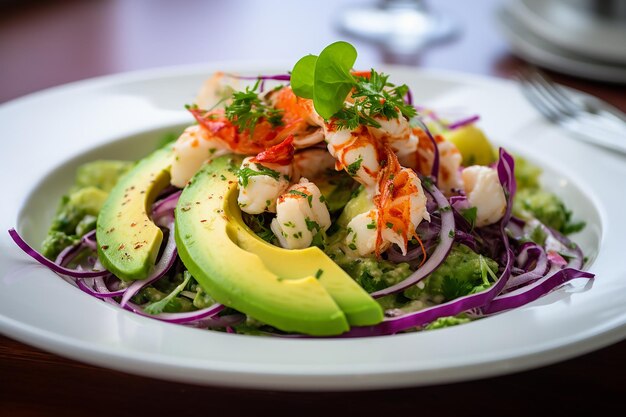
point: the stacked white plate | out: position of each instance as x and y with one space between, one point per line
568 36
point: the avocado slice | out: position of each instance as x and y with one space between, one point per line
474 146
300 290
128 240
360 309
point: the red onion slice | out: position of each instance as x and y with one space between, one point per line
276 77
225 322
434 172
89 240
464 122
67 254
102 291
166 205
408 98
48 263
178 318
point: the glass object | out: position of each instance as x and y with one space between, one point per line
401 27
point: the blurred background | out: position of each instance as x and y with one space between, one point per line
46 43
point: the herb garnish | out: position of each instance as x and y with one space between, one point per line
469 214
374 97
245 173
354 167
328 79
299 193
247 109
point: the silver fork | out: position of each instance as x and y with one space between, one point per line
587 117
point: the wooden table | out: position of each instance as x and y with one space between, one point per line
48 43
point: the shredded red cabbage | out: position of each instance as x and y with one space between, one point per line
526 294
434 172
464 122
276 77
533 253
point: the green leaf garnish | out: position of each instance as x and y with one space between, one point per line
332 79
327 79
158 306
302 76
374 97
298 193
245 173
470 215
354 167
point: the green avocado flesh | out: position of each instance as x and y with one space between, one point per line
128 240
293 290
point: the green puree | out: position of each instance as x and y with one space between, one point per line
463 272
370 273
79 209
533 202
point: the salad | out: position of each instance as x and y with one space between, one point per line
321 202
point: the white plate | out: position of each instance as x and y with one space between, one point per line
539 51
45 135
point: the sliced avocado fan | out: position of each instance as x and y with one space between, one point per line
293 290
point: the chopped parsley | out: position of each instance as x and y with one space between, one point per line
374 97
354 167
245 173
299 193
309 197
319 273
260 224
247 109
470 215
312 225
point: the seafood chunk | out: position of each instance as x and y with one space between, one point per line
299 117
362 234
301 214
260 184
450 160
484 191
358 152
195 146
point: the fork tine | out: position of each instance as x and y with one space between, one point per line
556 93
583 124
530 90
